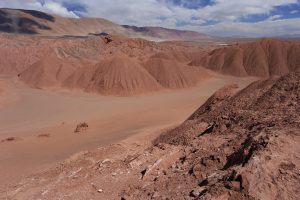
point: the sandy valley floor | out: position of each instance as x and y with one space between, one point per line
42 123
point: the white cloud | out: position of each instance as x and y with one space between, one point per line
294 11
259 29
274 17
57 8
50 6
161 13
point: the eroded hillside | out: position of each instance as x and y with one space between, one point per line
232 147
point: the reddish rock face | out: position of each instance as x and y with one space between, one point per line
263 58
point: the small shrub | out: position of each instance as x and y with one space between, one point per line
81 127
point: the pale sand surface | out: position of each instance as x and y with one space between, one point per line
110 120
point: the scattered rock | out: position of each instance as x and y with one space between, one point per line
208 130
155 195
198 192
233 185
99 190
143 172
108 39
245 152
213 178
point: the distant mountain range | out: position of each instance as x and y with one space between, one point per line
173 34
40 23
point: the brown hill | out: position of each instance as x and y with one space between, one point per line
118 75
233 135
68 62
18 52
172 74
49 72
262 58
115 75
36 22
171 34
81 78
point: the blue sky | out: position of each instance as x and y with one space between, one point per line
278 12
250 18
191 4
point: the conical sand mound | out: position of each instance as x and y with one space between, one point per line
170 74
118 75
262 58
81 78
48 72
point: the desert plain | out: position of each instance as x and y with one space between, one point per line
144 113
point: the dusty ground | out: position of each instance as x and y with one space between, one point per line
232 147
